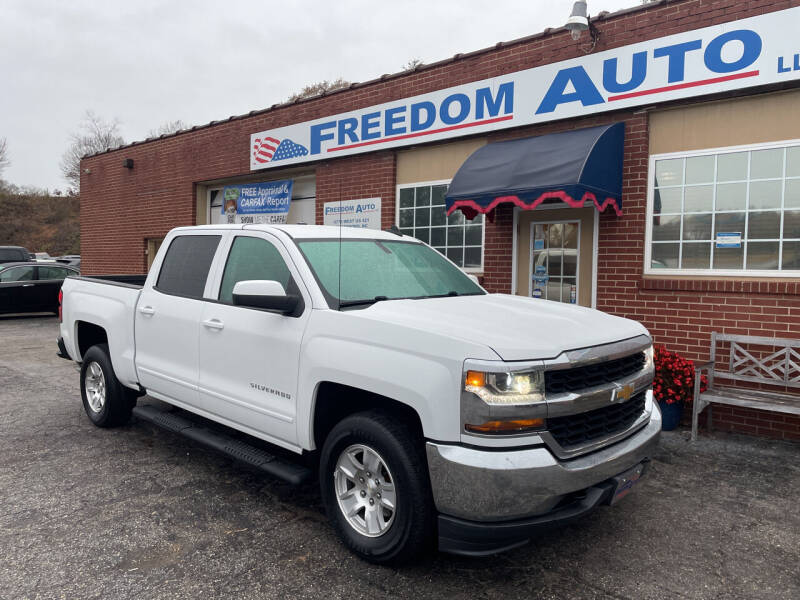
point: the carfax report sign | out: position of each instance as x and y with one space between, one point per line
257 202
750 52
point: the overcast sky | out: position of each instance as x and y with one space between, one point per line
145 62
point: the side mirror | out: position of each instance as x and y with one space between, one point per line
266 295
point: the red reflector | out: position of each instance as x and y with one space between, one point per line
60 300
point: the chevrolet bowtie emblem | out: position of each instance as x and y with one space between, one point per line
623 394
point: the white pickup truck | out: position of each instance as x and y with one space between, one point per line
431 409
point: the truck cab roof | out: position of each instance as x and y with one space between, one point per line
310 231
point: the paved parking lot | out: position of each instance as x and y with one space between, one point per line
140 513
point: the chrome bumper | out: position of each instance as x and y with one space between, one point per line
486 485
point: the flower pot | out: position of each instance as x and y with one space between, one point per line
670 415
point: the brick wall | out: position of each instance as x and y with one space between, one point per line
359 177
121 208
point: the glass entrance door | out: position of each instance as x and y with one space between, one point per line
554 252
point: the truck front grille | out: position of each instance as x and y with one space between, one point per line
581 378
603 422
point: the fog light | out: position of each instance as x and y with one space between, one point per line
513 426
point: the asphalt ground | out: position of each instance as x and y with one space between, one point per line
138 512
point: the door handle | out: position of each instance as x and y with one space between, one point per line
147 310
214 324
27 285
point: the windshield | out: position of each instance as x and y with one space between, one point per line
374 270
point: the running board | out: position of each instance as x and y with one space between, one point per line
228 445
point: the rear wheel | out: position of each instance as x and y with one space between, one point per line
106 401
374 481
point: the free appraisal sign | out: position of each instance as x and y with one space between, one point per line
257 202
750 52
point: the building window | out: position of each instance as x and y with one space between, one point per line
726 211
421 213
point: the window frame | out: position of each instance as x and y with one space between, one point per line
744 272
214 284
401 186
227 257
33 267
66 269
156 273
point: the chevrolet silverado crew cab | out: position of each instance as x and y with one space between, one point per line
430 409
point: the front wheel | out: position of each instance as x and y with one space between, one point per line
374 482
106 401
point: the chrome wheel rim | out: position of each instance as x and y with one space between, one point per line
95 386
365 490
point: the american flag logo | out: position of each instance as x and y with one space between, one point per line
269 149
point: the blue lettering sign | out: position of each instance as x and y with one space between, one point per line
676 55
484 100
394 121
369 122
752 50
638 73
417 124
444 109
317 135
347 127
585 91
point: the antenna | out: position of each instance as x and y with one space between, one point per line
340 242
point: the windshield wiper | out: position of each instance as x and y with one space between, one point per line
362 302
450 294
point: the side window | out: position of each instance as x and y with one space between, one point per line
252 258
53 272
17 274
186 265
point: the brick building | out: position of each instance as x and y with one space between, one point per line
708 92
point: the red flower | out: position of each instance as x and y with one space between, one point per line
674 377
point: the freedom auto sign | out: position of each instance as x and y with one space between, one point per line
750 52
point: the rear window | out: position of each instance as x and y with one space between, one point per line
53 272
12 255
186 265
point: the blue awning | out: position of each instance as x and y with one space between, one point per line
572 166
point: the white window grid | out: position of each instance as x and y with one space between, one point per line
452 222
717 152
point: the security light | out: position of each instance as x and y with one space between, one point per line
578 21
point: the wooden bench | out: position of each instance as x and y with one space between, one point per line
778 368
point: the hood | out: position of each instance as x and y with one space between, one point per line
515 327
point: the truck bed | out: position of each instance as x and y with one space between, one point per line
133 281
108 302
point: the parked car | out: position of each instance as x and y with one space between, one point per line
73 260
14 254
31 287
426 405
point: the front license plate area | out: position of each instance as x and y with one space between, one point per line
625 482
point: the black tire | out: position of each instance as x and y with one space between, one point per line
119 400
402 449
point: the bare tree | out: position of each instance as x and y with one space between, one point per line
412 64
315 89
168 127
4 160
95 134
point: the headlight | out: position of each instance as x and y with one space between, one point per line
506 389
648 357
503 402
